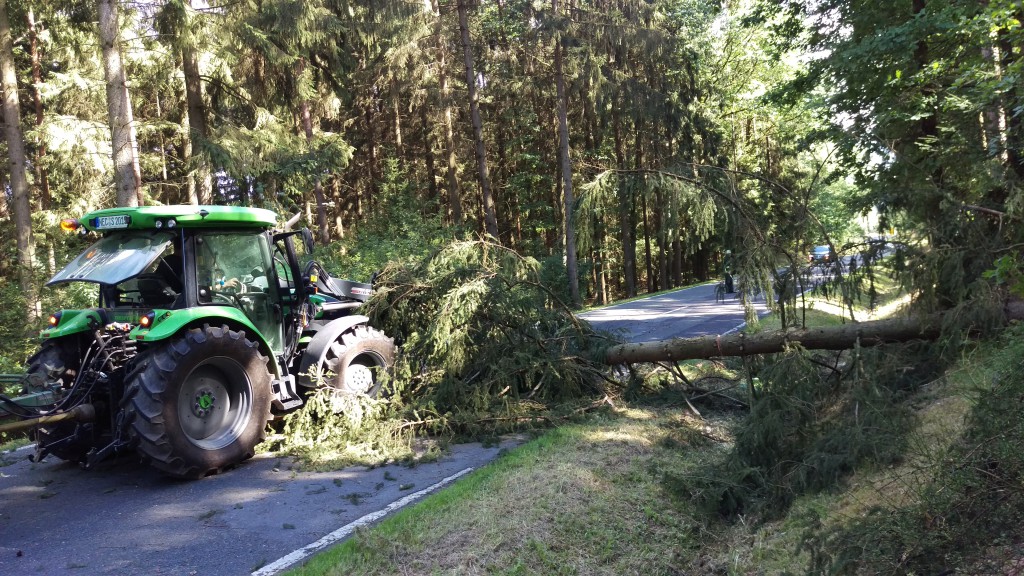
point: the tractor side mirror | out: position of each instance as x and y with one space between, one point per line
307 240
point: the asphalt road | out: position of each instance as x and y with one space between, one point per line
126 519
688 312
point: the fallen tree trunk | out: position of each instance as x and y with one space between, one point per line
870 333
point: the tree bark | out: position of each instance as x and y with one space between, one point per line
318 188
490 217
428 151
871 333
16 164
127 176
444 99
1014 136
625 212
396 109
42 177
198 127
563 149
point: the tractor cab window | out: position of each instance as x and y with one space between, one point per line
235 269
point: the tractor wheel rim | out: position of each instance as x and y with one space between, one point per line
361 375
215 403
359 379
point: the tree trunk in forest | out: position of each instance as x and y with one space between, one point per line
452 174
563 149
127 176
16 165
842 337
651 285
318 188
163 190
445 101
510 208
990 113
490 217
661 234
42 178
396 110
589 118
625 212
428 151
928 125
202 179
677 262
1014 136
371 164
556 208
601 287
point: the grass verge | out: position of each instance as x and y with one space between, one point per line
582 499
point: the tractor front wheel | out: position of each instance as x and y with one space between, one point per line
357 361
201 403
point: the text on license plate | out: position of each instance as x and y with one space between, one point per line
108 222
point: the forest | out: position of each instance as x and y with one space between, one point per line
627 145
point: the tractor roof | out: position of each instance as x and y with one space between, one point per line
187 216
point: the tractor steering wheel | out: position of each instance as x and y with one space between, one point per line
227 296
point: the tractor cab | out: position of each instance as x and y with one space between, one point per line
175 263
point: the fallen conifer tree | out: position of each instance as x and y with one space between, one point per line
871 333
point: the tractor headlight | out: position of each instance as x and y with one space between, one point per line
147 319
54 319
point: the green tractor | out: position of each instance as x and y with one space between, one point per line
207 327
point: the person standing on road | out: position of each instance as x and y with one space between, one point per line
727 272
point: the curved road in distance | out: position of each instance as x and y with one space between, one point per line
125 518
683 313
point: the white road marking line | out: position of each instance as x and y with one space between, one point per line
347 530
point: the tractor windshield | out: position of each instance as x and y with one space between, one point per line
115 258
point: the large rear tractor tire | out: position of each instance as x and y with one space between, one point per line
358 360
199 404
56 360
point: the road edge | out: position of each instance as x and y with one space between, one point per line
289 560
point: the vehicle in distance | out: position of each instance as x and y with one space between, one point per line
820 254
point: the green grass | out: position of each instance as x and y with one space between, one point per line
14 443
582 499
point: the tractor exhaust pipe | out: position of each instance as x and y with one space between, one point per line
80 413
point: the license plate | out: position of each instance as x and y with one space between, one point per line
111 222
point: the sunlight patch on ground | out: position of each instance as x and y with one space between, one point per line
621 435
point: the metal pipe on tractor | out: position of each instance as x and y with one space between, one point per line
80 413
208 325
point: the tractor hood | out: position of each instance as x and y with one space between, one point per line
115 258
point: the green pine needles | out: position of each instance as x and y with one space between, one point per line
482 337
814 419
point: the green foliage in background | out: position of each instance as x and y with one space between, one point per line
402 227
